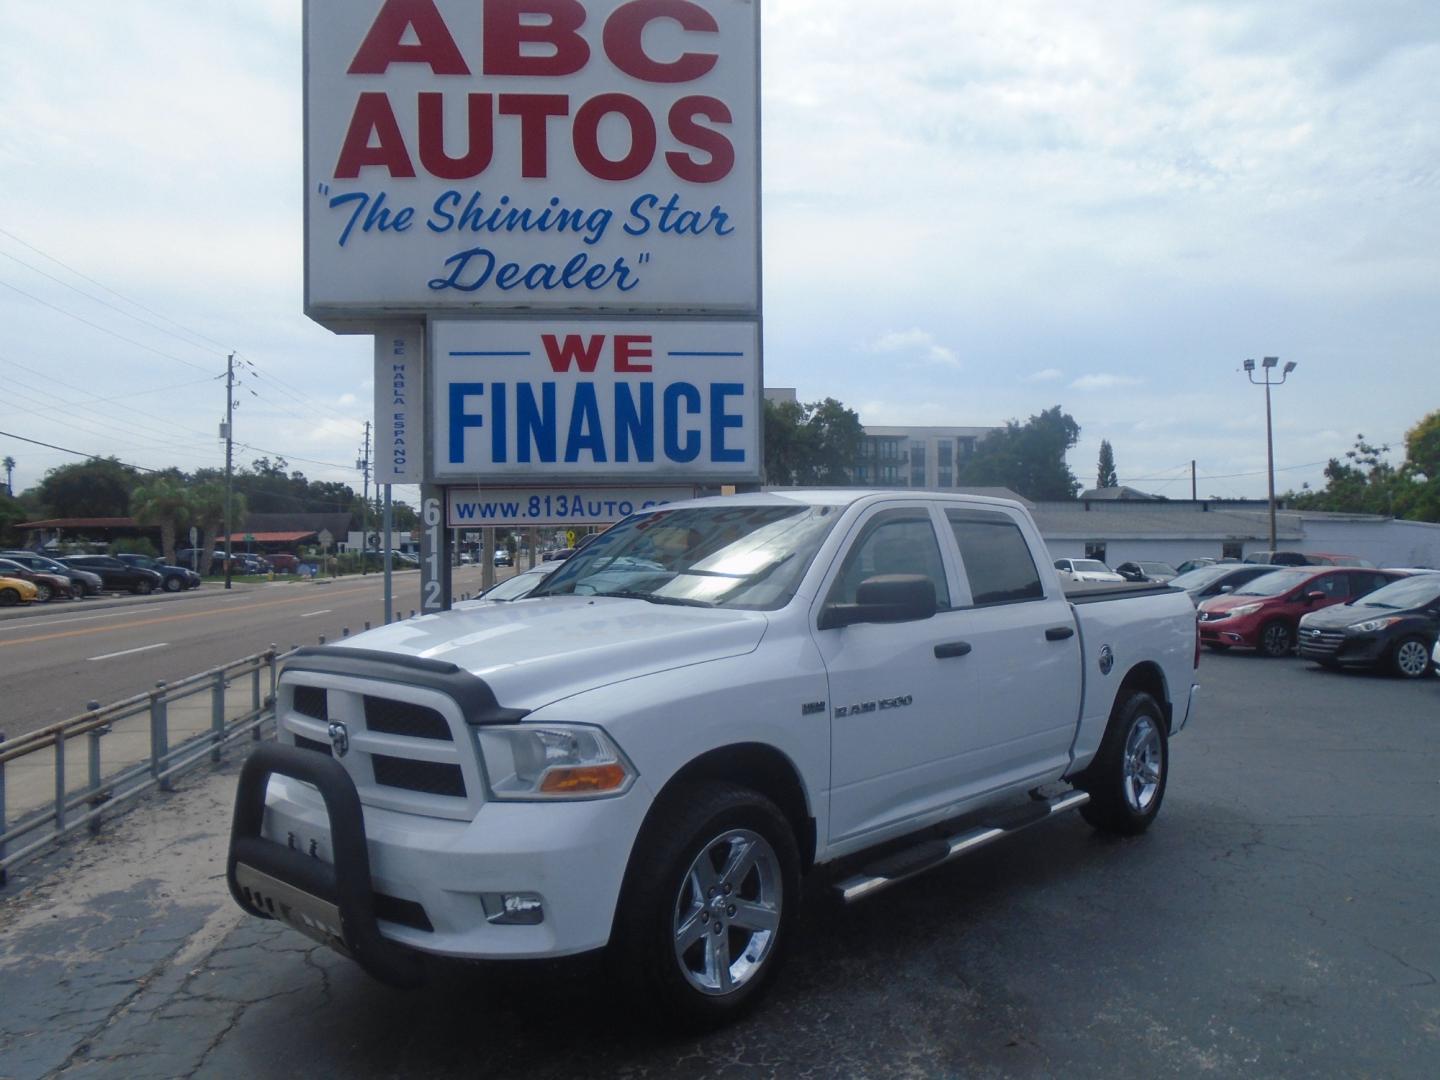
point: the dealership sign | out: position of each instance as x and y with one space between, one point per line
399 404
523 507
637 401
538 155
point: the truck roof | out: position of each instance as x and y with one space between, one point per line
842 497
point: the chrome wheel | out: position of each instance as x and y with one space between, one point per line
727 912
1143 764
1275 639
43 592
1412 659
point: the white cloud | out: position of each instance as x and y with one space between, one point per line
348 399
1104 381
918 343
1048 374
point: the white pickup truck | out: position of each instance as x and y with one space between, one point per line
712 702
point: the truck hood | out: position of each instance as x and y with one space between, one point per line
534 652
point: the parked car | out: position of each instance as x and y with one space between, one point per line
502 557
1265 613
172 578
1322 558
88 583
1195 564
1396 626
1208 581
14 590
1307 558
1085 570
116 574
283 563
47 585
1158 572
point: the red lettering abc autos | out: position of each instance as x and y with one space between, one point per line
415 32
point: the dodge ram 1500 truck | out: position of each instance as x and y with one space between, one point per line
712 702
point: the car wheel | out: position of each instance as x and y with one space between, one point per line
1126 781
141 588
709 904
1276 639
1214 647
43 592
1410 658
9 597
173 584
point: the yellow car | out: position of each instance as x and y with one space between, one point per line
15 591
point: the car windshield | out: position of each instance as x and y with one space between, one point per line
1411 592
736 556
1199 578
1281 581
1091 566
1157 568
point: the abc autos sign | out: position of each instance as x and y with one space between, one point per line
537 155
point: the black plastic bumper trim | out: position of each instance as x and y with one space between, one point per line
472 693
346 884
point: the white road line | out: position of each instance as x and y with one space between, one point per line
25 624
323 611
128 652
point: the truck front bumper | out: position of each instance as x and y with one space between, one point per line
434 885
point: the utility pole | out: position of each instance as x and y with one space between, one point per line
1267 365
364 466
1192 479
229 457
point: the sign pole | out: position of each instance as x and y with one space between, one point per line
388 525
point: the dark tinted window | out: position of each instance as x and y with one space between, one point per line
997 559
1334 586
895 542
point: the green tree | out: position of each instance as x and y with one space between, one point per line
99 487
1362 483
1106 477
11 514
166 502
1028 458
207 501
817 443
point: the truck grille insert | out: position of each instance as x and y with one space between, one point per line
431 777
310 701
312 744
403 718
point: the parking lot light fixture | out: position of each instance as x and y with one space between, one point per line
1268 364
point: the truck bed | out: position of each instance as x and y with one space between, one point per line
1092 592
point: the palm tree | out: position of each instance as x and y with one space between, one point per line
9 471
208 503
164 502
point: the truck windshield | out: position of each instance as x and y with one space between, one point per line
713 556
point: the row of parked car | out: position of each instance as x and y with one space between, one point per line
29 577
1336 610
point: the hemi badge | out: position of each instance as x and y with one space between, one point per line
810 708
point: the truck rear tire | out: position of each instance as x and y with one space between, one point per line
1126 781
709 904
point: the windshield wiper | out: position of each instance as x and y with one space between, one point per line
1378 603
678 601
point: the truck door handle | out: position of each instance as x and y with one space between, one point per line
951 648
1059 633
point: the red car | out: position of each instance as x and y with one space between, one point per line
47 586
1263 614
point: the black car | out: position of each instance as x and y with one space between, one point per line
172 578
116 574
1207 581
1394 626
1146 571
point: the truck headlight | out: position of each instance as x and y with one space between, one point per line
553 761
1369 626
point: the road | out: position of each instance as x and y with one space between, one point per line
58 658
1278 921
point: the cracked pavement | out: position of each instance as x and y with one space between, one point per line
1279 920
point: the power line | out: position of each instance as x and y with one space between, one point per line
112 292
77 453
102 329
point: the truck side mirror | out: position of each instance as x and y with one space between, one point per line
884 598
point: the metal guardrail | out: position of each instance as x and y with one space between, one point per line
101 794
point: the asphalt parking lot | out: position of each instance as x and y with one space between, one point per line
1279 920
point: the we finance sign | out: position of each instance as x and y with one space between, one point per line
531 154
657 401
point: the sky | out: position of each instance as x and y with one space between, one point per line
972 212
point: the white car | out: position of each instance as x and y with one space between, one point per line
1085 570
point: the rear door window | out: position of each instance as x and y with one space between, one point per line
998 564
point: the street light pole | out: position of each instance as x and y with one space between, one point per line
1267 365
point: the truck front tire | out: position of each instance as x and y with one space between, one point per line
709 903
1126 781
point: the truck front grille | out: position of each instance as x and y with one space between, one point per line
431 777
310 701
404 718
